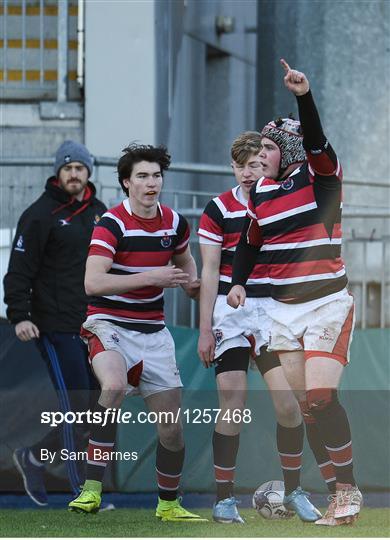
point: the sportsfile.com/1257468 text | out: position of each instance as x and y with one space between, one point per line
113 415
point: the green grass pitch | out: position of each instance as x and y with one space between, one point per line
142 523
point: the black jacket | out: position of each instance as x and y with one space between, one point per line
45 278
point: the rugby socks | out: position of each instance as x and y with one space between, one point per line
335 431
101 444
225 448
317 446
290 446
321 456
169 465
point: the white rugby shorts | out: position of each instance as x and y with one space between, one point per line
150 358
246 326
321 327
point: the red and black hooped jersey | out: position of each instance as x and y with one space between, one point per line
297 223
221 224
136 245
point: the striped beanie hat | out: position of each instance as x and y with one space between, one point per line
287 134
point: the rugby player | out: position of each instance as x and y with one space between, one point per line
294 218
131 350
226 337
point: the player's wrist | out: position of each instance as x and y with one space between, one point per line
235 285
303 93
148 279
205 330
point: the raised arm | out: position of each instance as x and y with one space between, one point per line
320 153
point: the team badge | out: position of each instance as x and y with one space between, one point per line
115 337
67 159
96 220
218 334
326 335
166 241
287 184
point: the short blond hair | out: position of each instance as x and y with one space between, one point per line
245 145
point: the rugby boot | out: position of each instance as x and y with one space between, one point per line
328 518
173 511
225 511
298 501
89 500
349 501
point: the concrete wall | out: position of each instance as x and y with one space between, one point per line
25 134
344 48
120 82
166 76
209 84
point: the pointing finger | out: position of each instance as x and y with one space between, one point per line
285 66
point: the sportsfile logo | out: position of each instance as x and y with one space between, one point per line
110 416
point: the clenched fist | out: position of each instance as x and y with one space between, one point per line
236 296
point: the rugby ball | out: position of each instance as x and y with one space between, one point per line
267 500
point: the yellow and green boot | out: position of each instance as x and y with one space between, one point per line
88 502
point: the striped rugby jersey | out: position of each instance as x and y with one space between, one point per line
221 224
136 245
297 223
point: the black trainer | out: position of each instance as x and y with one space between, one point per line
32 476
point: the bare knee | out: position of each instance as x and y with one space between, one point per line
113 393
171 435
287 410
232 399
232 387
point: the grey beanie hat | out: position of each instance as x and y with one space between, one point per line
70 151
286 133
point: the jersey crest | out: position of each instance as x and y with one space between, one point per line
166 241
288 184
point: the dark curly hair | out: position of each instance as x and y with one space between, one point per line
134 153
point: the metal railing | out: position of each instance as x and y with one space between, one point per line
370 285
187 167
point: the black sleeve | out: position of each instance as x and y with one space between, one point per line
244 258
26 254
182 236
320 154
313 135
